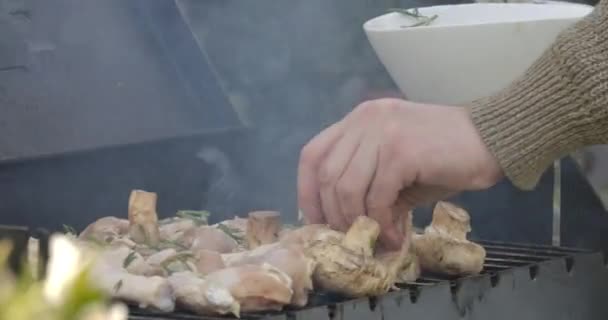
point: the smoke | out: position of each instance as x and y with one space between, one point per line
290 69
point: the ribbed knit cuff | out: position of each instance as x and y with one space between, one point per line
558 106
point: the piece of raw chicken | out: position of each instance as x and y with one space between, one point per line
245 288
208 238
105 230
109 274
173 229
290 260
444 247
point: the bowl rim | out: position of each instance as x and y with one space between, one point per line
368 25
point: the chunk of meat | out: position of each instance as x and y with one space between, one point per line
255 288
208 238
238 226
202 297
173 229
105 230
170 260
262 228
132 261
292 262
208 261
444 248
109 275
143 220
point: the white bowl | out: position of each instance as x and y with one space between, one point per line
470 50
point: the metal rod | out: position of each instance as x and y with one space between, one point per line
557 199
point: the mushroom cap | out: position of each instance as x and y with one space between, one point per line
348 272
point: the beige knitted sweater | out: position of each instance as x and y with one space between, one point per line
559 105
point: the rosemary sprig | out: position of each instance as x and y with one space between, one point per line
118 285
181 257
415 13
132 255
199 217
69 230
231 232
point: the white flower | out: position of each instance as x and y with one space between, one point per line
65 263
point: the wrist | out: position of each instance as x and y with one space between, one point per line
489 171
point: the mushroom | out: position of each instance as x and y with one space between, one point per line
262 228
348 266
143 220
444 247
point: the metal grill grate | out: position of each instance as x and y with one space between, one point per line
500 257
518 280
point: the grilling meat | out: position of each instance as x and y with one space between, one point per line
199 296
255 288
208 238
236 226
208 261
256 264
173 229
444 247
288 259
105 230
110 275
233 289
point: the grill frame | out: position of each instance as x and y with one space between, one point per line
521 280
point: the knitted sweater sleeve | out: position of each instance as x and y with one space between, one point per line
559 105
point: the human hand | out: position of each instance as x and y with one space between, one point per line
388 151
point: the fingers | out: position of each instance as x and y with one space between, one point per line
312 155
356 179
332 168
392 175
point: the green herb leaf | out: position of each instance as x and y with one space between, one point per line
232 232
69 230
422 20
199 217
130 258
118 285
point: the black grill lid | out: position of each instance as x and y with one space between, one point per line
86 74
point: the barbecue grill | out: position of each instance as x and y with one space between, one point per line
48 178
520 281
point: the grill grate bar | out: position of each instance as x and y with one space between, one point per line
511 261
531 247
525 255
491 267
